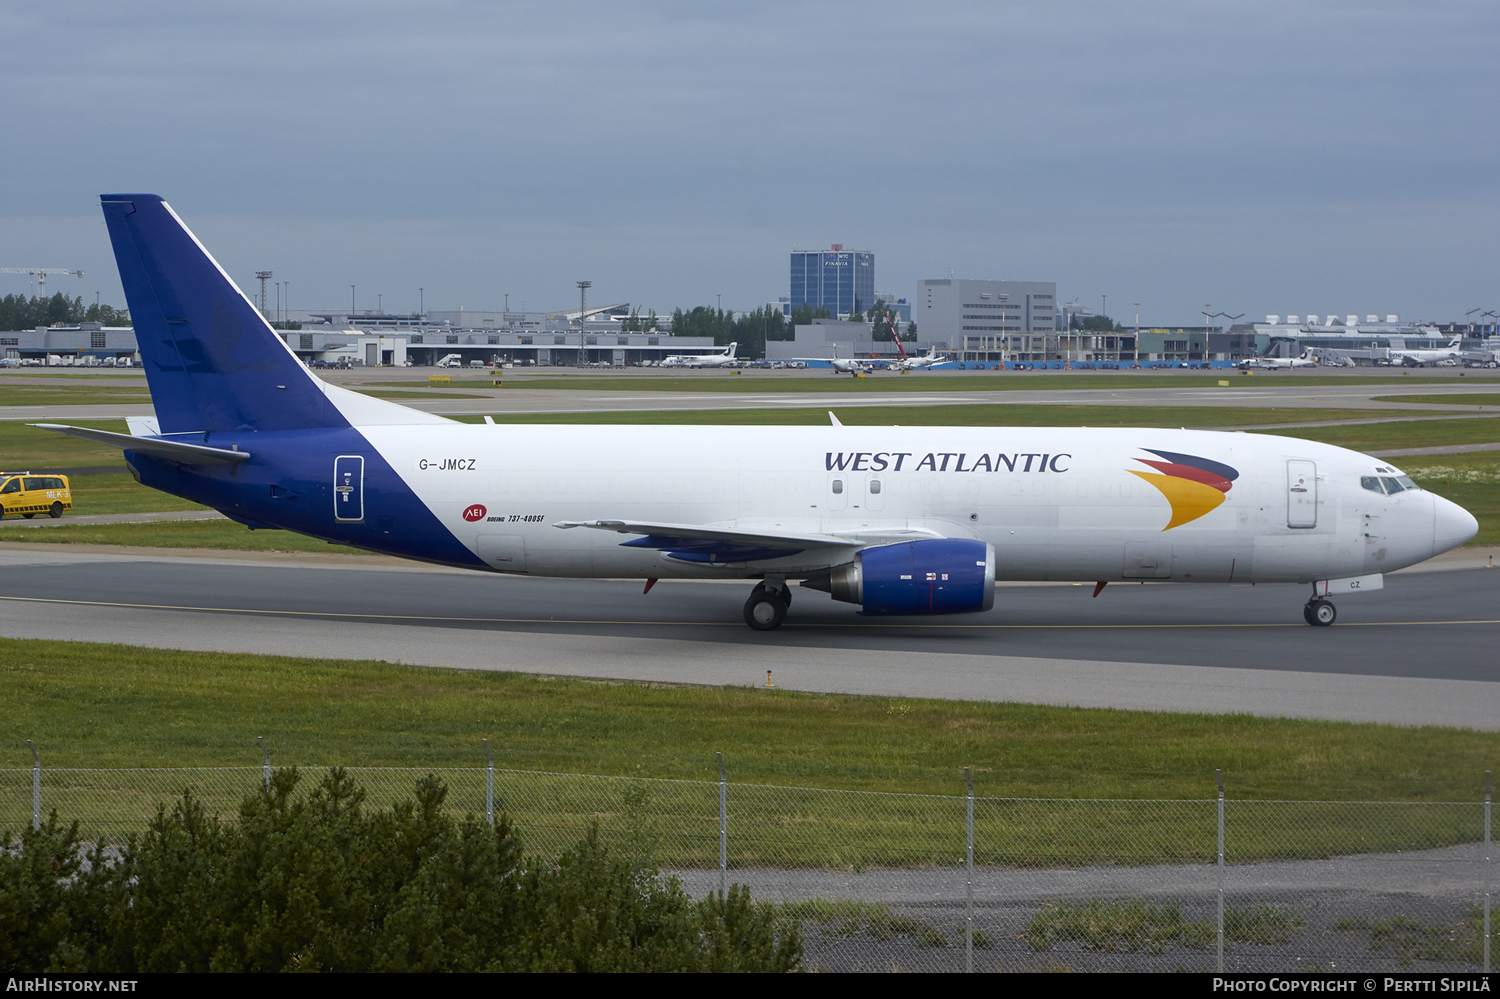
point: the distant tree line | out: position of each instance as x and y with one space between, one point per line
321 882
18 312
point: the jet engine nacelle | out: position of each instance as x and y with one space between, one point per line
936 576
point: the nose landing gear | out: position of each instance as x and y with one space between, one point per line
1319 613
767 606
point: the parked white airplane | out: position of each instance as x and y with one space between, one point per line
1307 360
722 359
926 360
841 365
899 520
1417 358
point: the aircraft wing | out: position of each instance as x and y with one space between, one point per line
178 451
745 543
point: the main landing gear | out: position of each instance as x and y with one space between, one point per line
1319 613
766 608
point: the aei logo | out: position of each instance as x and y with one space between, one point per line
475 512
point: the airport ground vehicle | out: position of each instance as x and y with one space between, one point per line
899 520
28 495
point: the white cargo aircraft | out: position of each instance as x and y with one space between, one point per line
722 359
898 520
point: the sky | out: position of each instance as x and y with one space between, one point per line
1255 157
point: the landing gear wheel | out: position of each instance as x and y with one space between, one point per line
763 611
56 511
782 593
1320 613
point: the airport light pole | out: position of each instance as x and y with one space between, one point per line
351 301
583 306
422 304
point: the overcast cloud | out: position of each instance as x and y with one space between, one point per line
1262 157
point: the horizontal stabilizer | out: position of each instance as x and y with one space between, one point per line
178 451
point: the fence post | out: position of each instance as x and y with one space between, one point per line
1487 870
723 827
969 867
1220 774
489 785
266 770
36 787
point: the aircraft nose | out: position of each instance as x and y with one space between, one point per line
1452 525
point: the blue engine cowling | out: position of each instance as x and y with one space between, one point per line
936 576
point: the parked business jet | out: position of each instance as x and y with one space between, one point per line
1307 360
1418 358
722 359
897 520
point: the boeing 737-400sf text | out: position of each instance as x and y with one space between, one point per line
900 520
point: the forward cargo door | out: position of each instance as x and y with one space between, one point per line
349 488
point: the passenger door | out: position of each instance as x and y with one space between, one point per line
1301 493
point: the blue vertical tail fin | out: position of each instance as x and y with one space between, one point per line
212 361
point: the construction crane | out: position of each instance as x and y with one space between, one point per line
40 273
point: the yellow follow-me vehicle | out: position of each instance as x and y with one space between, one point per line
29 495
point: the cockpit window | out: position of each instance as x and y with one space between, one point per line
1387 484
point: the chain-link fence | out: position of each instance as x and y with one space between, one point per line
926 882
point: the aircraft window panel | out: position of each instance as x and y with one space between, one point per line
875 487
1392 487
838 486
1372 483
1407 483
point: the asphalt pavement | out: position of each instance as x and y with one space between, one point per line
1420 651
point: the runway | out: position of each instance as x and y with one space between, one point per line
1421 651
758 392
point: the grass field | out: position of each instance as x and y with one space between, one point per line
60 395
92 705
219 534
1411 433
423 394
792 760
996 381
1480 399
22 446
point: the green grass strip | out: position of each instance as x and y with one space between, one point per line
1452 399
97 705
214 534
936 381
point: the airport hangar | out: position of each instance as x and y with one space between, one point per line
93 343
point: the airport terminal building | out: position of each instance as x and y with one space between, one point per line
379 344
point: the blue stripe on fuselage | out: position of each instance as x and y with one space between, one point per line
288 483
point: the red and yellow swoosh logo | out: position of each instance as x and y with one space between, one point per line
1193 485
